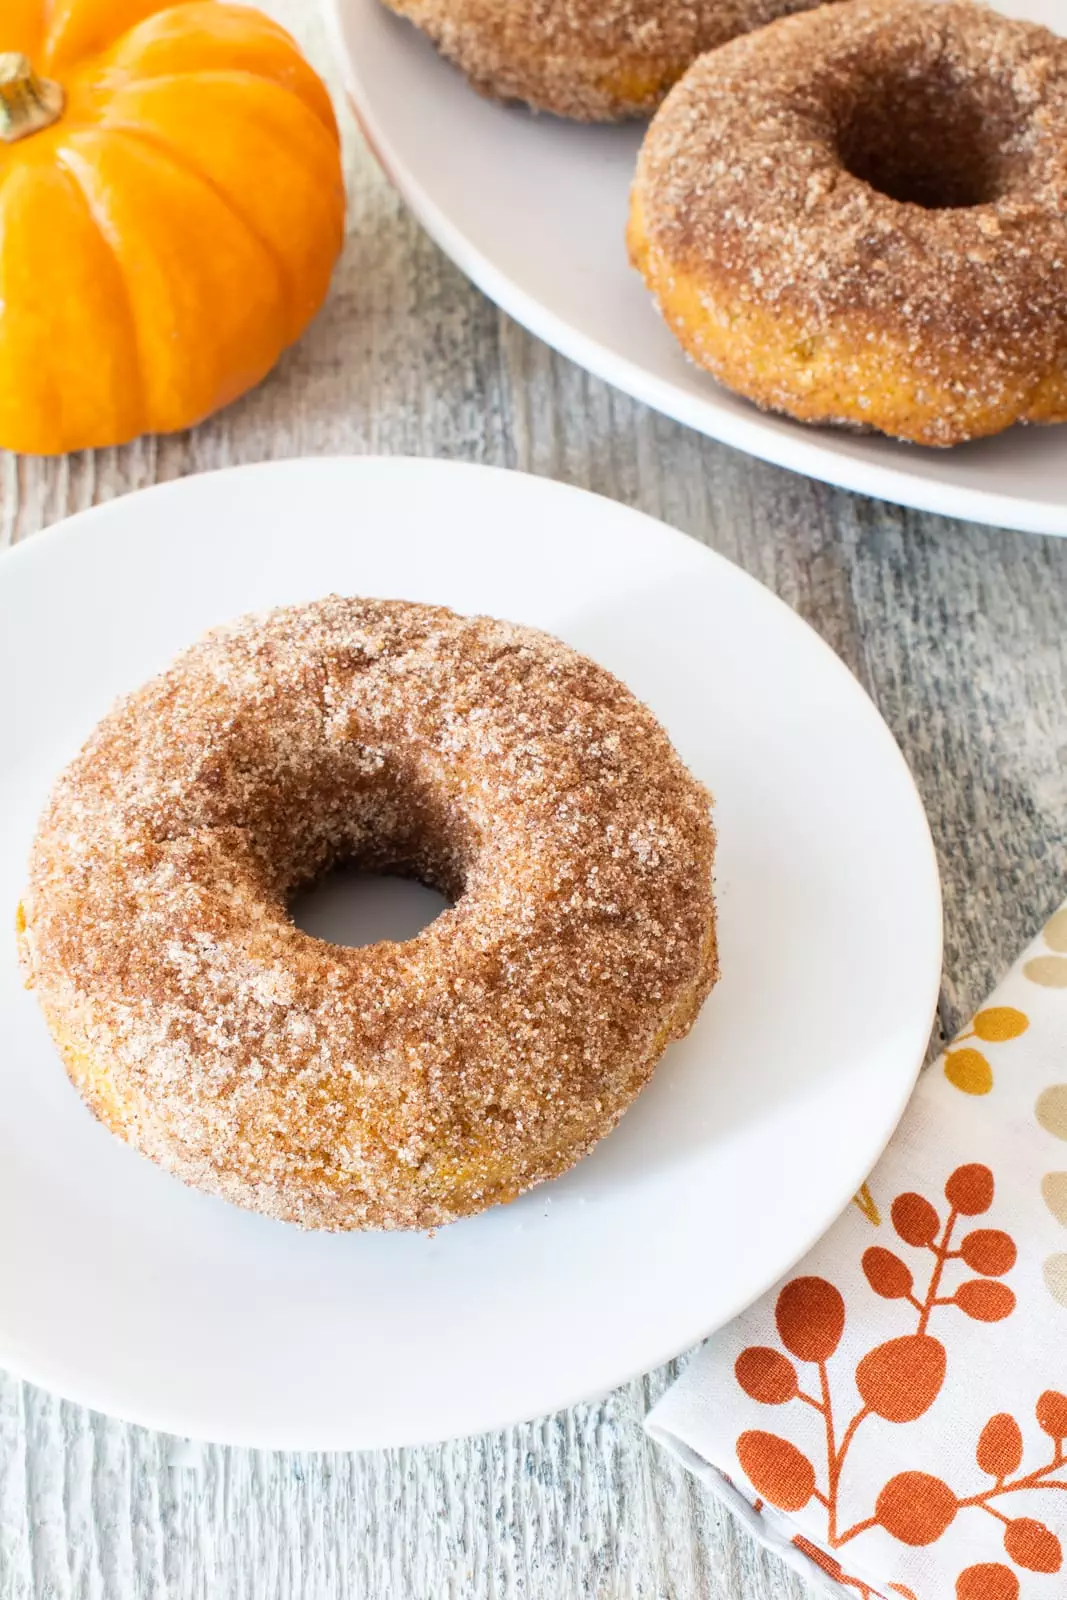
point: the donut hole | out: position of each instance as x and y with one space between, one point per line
924 140
351 907
377 857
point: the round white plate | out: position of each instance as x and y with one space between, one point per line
128 1292
534 210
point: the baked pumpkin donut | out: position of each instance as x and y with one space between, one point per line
400 1084
593 60
859 216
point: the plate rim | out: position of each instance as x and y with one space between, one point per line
96 1392
789 445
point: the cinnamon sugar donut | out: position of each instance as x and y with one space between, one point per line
860 216
400 1084
593 60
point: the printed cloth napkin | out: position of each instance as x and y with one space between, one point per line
893 1417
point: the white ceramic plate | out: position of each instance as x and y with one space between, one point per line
129 1292
534 210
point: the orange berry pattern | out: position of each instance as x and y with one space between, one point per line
969 1069
905 1392
898 1381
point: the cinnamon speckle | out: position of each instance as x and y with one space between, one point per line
591 60
888 172
396 1085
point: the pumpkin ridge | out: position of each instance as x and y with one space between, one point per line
198 162
118 56
62 18
45 382
231 75
63 161
23 31
163 147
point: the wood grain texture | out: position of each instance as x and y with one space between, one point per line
958 633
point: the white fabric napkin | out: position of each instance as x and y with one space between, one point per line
893 1416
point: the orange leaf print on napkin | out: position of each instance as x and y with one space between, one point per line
899 1380
908 1383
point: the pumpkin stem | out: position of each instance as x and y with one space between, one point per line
27 103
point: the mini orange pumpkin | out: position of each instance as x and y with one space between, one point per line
171 208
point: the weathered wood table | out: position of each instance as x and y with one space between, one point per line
958 632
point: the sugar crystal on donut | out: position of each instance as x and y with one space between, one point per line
592 60
396 1085
859 216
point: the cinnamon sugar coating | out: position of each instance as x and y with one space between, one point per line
397 1085
859 215
592 60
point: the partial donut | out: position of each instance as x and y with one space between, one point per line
859 216
592 60
401 1084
